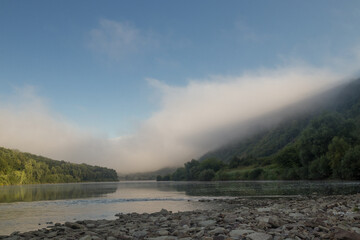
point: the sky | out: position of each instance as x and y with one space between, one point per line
139 85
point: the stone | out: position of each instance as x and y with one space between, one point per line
86 237
207 238
73 225
164 212
220 237
259 236
341 234
90 225
264 209
239 233
296 215
207 223
139 234
163 232
272 221
200 234
163 238
218 230
52 234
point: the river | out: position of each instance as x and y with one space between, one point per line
29 207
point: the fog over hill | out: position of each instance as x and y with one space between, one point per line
191 120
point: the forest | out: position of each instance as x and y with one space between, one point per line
24 168
322 144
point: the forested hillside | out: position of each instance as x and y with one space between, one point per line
320 144
24 168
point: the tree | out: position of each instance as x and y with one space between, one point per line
211 163
207 175
350 164
336 151
288 157
179 174
192 169
320 168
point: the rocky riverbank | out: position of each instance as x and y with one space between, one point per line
314 217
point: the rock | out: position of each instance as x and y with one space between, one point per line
163 232
139 234
259 236
220 237
207 223
90 225
199 234
52 234
218 230
341 234
264 209
239 233
111 238
73 225
273 221
164 212
296 215
163 238
87 237
230 218
207 238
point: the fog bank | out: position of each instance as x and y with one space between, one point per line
191 120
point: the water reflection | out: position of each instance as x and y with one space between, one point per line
263 188
31 193
161 190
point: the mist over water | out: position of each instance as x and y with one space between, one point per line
191 120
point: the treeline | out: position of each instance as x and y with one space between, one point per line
24 168
317 146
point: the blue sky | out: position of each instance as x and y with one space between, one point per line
89 61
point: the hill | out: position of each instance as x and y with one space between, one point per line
24 168
319 143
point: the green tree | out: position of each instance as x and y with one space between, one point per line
288 157
350 164
207 175
179 174
211 163
320 168
192 169
336 151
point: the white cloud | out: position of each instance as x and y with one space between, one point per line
119 39
29 125
206 114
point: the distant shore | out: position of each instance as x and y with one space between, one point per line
310 217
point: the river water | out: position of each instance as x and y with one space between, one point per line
29 207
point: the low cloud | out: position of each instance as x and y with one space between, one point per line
193 119
206 114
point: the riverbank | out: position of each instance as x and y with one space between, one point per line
313 217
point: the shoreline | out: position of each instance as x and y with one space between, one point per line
297 217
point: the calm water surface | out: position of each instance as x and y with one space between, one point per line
30 207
